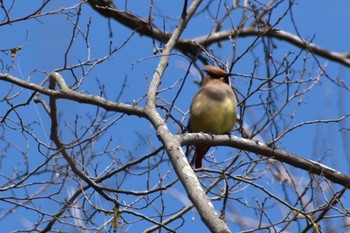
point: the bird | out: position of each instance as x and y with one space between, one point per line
213 109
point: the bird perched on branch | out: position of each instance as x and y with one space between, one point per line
213 109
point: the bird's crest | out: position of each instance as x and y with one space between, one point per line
217 73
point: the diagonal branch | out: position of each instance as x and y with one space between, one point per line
53 79
205 41
194 46
266 151
177 157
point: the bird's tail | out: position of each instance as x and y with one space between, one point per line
201 150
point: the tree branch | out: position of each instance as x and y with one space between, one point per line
266 151
194 46
53 79
177 157
207 40
66 93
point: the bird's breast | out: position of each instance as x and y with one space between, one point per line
210 115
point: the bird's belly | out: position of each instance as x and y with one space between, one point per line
217 117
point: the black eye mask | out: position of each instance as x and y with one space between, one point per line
215 76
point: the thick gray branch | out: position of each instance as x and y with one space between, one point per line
177 157
266 151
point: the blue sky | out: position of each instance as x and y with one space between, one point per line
45 41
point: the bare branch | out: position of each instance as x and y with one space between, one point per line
176 155
266 151
207 40
67 93
195 45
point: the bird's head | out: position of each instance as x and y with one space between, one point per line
216 73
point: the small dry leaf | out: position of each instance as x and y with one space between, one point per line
14 51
